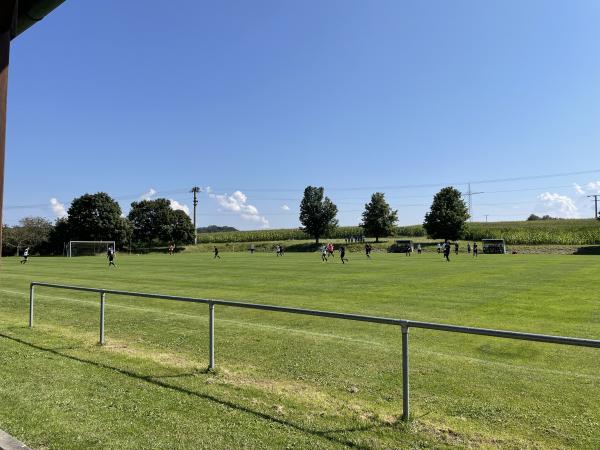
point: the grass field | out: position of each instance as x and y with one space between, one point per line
287 381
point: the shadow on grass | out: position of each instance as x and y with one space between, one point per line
588 250
155 380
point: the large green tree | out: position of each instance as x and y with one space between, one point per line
448 215
182 228
155 222
59 237
378 218
31 232
96 217
317 213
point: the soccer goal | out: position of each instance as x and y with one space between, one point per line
88 248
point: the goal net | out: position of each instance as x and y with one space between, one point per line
88 248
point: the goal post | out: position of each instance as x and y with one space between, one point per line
80 248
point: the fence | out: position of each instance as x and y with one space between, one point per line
402 323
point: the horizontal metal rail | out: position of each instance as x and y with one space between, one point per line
402 323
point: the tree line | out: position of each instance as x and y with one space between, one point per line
98 217
446 218
153 223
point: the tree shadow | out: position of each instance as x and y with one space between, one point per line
156 381
588 250
303 247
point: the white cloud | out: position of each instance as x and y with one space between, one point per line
285 207
237 202
559 205
58 208
593 187
208 189
175 205
148 195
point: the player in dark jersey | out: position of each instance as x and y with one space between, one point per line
343 254
110 254
474 249
216 252
447 251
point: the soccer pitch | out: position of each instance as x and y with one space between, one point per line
287 381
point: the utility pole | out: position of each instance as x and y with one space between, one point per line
595 205
486 216
195 190
470 194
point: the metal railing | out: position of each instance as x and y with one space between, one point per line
402 323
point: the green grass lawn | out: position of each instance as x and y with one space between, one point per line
287 381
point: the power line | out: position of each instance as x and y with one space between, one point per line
415 186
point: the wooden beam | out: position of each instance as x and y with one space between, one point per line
7 29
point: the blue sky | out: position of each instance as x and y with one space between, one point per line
258 99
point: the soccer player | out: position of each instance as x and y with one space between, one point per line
216 251
110 254
324 253
447 251
474 249
468 248
330 250
368 250
456 247
419 249
171 248
343 254
25 255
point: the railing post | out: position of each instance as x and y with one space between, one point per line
405 379
102 298
211 337
31 288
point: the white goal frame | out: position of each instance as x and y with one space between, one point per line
70 249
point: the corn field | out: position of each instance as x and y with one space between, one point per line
285 234
542 232
538 232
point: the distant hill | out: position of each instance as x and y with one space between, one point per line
215 229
